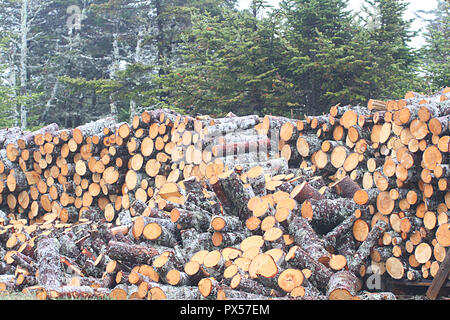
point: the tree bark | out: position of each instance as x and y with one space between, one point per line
365 248
131 252
49 264
343 285
301 259
24 29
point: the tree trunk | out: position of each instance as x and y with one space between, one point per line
365 248
49 264
301 259
131 252
343 285
114 69
24 28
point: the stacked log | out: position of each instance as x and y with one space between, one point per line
176 207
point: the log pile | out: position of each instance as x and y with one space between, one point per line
176 207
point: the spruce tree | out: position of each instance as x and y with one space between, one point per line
436 51
393 62
230 63
321 57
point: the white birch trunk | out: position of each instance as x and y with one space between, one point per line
52 96
114 68
13 84
23 60
137 59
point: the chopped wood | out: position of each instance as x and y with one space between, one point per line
229 208
343 285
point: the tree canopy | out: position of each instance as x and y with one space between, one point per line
71 64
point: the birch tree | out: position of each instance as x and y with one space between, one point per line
436 61
29 12
21 19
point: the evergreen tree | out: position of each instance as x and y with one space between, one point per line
437 48
229 63
393 63
21 22
131 44
322 59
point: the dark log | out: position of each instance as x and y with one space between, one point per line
176 293
131 252
186 219
224 223
326 214
346 187
257 181
300 258
346 247
163 234
228 239
231 294
305 237
237 194
194 241
209 287
308 144
305 191
440 278
217 188
365 248
332 238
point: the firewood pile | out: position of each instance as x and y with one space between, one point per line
179 207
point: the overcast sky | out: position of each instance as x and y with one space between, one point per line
415 5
